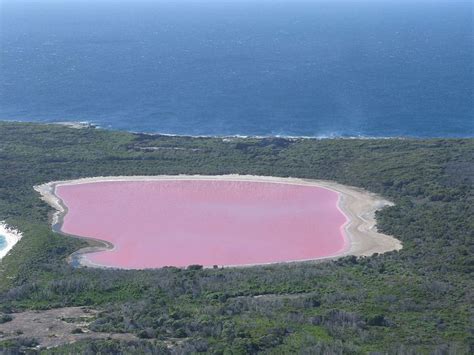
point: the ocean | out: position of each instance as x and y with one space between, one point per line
259 68
3 242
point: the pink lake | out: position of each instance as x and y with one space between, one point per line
208 222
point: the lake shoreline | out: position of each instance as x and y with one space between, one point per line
357 205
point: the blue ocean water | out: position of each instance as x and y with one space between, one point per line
298 68
3 242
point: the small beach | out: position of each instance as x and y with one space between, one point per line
10 236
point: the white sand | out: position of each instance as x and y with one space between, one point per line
11 236
357 204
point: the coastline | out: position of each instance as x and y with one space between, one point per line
12 236
358 205
287 136
224 136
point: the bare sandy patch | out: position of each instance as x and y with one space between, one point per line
54 327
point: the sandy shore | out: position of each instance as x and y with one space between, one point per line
11 236
357 204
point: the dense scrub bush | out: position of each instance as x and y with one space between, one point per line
417 300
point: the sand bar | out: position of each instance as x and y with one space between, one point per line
357 205
12 236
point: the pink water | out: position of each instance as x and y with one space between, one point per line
183 222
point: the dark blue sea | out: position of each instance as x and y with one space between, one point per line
322 68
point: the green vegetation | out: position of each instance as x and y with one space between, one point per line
417 300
